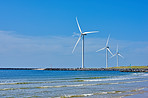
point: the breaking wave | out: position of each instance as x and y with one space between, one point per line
100 93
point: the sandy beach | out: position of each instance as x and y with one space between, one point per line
142 94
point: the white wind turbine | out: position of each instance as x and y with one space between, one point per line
107 49
118 54
82 35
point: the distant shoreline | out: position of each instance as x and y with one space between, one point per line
83 69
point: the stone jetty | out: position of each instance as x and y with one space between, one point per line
98 69
134 70
83 69
18 68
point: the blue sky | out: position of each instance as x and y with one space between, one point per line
37 33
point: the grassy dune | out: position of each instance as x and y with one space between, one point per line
140 67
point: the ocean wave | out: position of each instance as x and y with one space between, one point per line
89 84
138 89
91 78
126 77
83 79
140 74
91 94
110 79
60 86
15 83
101 93
65 86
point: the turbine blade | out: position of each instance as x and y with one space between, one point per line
110 51
120 55
113 55
107 40
76 44
90 32
78 26
100 49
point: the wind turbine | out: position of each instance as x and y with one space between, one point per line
107 49
82 36
118 54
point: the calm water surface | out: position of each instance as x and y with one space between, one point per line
62 84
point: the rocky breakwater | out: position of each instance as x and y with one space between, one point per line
83 69
134 70
99 69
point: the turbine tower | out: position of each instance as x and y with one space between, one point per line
107 49
82 36
118 54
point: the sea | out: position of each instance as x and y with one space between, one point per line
67 84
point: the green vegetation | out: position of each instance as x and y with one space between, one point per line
122 67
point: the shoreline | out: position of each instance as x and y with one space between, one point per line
83 69
141 94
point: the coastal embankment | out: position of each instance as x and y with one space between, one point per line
99 69
83 69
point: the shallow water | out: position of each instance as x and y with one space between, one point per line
41 83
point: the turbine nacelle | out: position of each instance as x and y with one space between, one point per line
84 34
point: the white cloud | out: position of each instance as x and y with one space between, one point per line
29 51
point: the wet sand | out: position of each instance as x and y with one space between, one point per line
142 94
